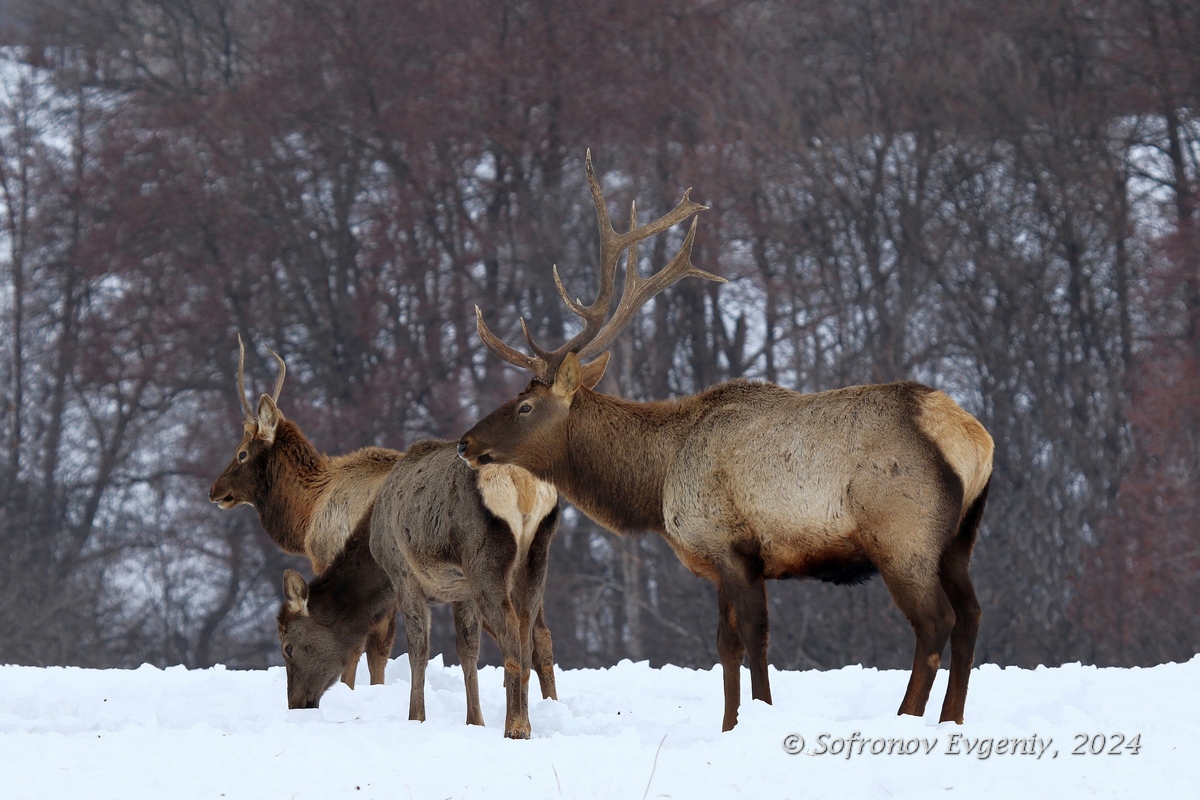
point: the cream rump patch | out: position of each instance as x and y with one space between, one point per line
517 497
964 442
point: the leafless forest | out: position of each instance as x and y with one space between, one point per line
998 198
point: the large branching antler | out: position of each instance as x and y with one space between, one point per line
598 329
241 378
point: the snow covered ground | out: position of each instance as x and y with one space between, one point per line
625 732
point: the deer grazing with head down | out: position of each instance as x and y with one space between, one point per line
439 532
308 503
749 480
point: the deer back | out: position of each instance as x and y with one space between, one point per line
434 513
346 493
807 473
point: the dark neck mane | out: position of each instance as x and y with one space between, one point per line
617 456
296 474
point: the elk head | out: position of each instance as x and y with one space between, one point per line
314 656
530 431
242 480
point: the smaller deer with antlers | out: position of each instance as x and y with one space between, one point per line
439 532
749 480
308 503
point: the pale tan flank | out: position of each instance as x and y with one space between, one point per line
353 485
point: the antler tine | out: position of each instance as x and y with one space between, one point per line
279 378
241 379
639 290
539 352
608 254
509 354
576 306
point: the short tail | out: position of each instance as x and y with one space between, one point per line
968 529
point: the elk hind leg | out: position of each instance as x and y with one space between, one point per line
499 618
537 639
923 601
730 651
507 627
904 531
466 639
956 581
543 655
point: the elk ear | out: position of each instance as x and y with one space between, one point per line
295 592
269 418
593 371
568 377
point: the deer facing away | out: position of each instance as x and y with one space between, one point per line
308 503
749 480
439 532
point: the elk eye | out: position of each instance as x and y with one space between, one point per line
525 409
242 456
288 651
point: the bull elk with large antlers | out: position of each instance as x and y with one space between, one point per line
308 503
749 480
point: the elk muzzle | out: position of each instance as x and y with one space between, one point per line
470 451
300 702
221 495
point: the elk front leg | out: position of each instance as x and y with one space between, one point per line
379 646
351 670
466 639
746 596
415 610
